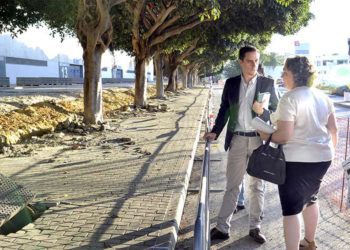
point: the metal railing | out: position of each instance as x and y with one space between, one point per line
201 228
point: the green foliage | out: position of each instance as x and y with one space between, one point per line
210 14
250 22
284 3
60 16
122 25
231 69
272 59
233 23
17 15
185 12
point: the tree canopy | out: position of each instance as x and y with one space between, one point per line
151 23
272 59
199 35
17 15
246 22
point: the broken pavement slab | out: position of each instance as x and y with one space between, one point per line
13 198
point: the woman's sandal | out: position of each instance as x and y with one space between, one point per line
307 245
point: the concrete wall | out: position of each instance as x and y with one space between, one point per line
17 70
2 67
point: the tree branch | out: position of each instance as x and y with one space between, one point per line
174 32
136 12
146 22
168 23
188 51
115 2
160 20
151 13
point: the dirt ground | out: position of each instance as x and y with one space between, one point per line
28 121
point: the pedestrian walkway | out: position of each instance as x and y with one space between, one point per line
120 189
333 231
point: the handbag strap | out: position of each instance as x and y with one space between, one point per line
267 143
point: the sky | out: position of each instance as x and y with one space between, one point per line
40 37
327 33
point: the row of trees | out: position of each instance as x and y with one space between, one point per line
272 59
192 37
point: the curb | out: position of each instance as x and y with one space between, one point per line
180 196
342 104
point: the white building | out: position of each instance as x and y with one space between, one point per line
18 60
333 69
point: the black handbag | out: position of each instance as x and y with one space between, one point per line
268 163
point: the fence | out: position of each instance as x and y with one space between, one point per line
334 185
202 223
39 81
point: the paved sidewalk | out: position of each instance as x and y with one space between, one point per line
112 194
333 230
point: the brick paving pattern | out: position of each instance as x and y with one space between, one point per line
111 195
116 196
333 230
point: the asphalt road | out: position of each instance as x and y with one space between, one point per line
61 89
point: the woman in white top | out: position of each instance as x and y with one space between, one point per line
307 126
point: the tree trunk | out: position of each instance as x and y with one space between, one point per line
172 79
184 76
140 99
190 78
177 85
171 72
94 35
195 77
92 87
158 62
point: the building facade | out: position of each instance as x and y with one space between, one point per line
18 60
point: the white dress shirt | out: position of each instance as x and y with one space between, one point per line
246 98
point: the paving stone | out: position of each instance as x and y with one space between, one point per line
119 197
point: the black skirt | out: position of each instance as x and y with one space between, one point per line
303 180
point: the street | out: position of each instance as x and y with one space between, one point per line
62 89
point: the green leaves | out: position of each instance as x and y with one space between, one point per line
271 59
17 15
284 3
210 14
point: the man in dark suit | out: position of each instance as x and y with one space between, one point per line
238 107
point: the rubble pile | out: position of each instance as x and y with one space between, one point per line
25 117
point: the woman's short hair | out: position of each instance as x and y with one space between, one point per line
303 71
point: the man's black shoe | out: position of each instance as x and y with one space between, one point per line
239 208
257 235
215 234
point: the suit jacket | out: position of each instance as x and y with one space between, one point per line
229 107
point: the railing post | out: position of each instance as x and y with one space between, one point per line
202 224
201 229
346 173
